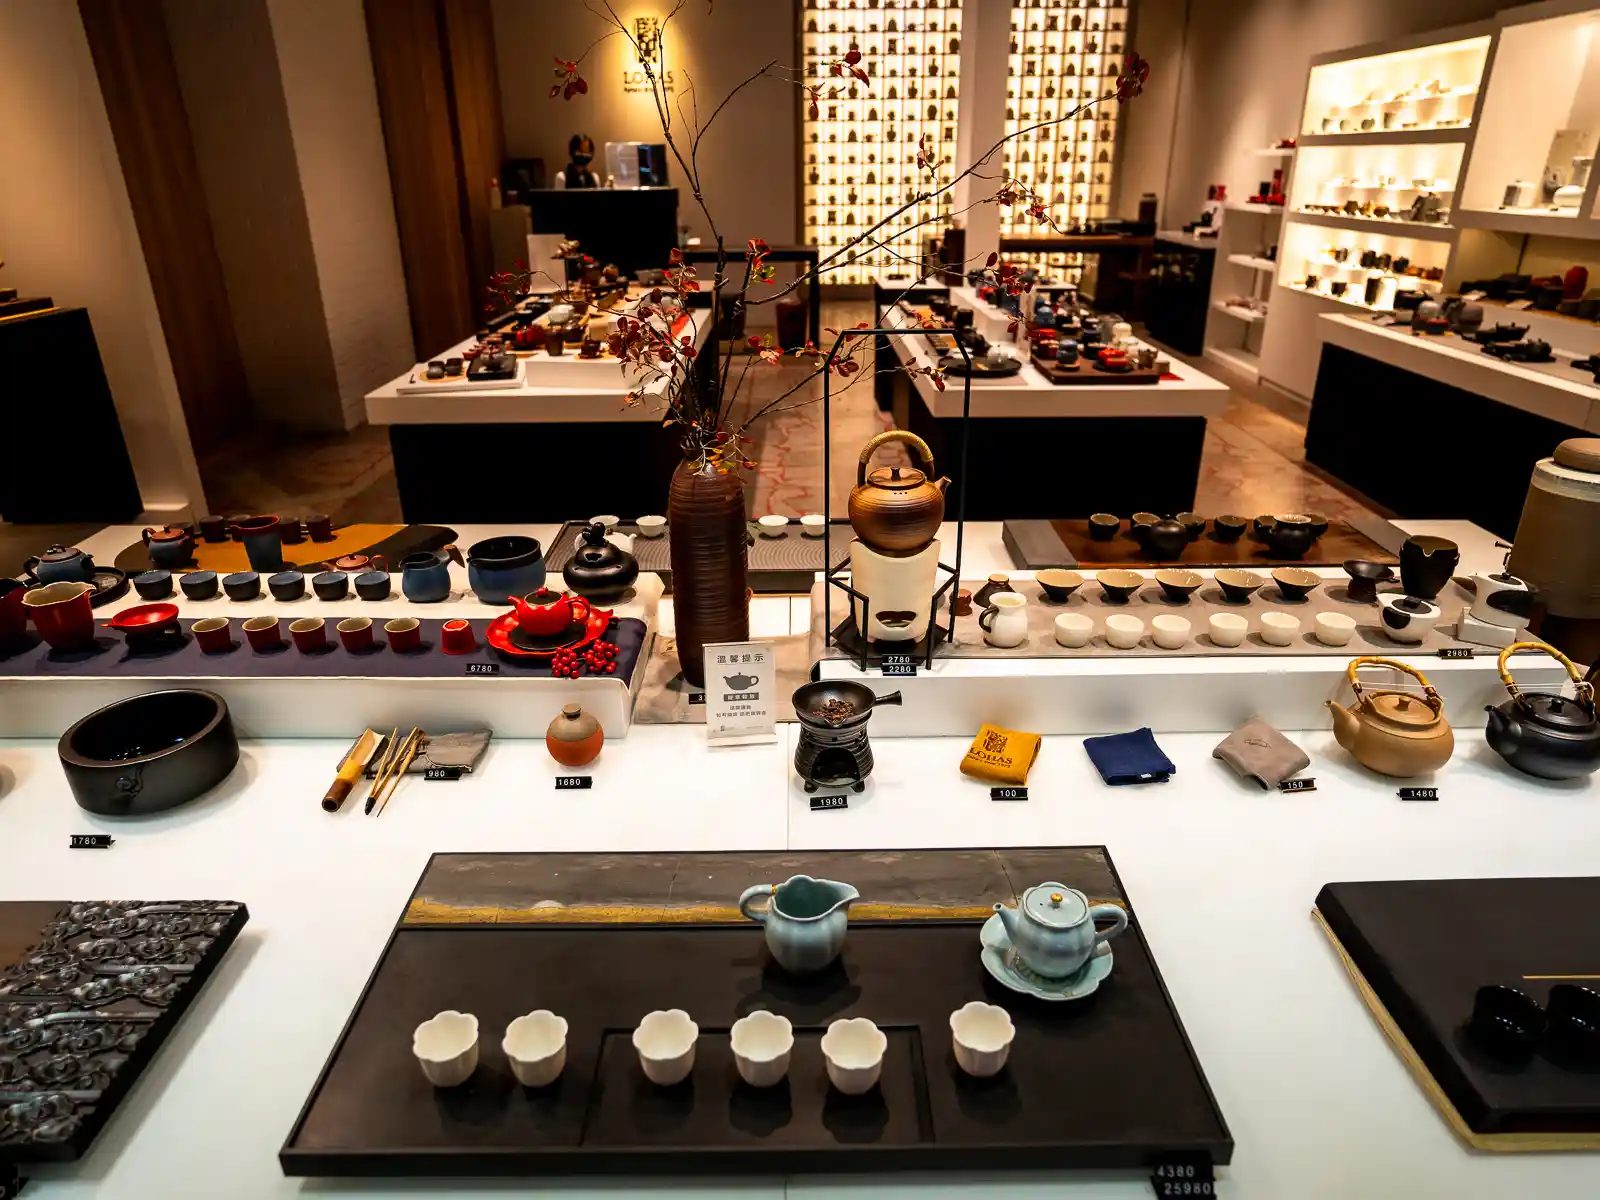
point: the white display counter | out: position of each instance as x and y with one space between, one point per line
1221 875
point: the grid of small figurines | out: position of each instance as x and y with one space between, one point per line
861 150
1063 53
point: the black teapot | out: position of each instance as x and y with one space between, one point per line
1165 539
1290 536
1542 734
599 571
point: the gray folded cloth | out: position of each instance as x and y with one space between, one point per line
1258 751
461 750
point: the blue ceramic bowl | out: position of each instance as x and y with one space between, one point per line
242 585
153 585
287 585
373 585
331 585
198 585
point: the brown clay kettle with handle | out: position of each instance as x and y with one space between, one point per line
1392 732
896 508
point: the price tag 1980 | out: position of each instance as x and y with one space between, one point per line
565 783
826 803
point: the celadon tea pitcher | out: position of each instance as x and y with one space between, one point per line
805 918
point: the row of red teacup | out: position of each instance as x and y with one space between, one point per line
310 635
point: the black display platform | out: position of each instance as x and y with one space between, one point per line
1425 947
1107 1082
785 563
57 1093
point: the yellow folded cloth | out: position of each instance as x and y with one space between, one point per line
1001 755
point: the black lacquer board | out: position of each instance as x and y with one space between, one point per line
1108 1082
1426 946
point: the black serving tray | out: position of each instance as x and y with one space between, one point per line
1106 1082
119 1073
781 564
1424 947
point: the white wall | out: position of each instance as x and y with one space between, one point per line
67 230
748 160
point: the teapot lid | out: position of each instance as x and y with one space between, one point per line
1402 708
60 553
897 479
1054 905
1580 454
1560 713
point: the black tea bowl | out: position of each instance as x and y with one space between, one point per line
1506 1023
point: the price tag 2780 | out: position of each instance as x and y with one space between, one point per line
901 665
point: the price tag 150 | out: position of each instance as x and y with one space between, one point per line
1298 785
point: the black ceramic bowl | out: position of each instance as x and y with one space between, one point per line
1229 528
1238 586
287 585
242 585
1193 522
1103 526
1296 583
1574 1013
1058 585
1365 576
149 753
153 585
198 585
1319 524
1119 585
330 585
1505 1022
1262 524
1177 584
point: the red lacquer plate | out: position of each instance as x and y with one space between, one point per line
579 635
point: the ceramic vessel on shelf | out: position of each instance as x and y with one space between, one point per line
898 591
1502 599
1238 586
1227 629
1290 535
536 1047
1119 585
574 738
446 1047
1074 630
665 1041
1405 618
1335 628
1295 583
981 1036
287 585
244 585
852 1052
360 562
1193 522
1365 576
805 919
1551 736
1005 621
1139 525
1166 539
263 542
762 1042
1124 631
170 546
1052 928
1104 526
62 613
149 753
425 576
199 585
1058 585
995 583
1229 528
598 570
545 613
1279 629
1426 565
60 564
1169 632
1392 732
151 585
330 585
146 624
1178 585
896 508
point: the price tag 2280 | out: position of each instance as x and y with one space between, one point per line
901 665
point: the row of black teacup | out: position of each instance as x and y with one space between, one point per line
246 585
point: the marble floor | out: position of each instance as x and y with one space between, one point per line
1253 460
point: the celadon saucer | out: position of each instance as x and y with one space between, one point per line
1001 961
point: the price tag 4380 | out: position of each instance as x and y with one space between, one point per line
1181 1179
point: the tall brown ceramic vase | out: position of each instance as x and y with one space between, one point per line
710 599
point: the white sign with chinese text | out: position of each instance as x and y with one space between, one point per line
741 708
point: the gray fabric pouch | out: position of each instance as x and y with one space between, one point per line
1258 751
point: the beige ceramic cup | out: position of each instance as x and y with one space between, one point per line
1074 629
1335 629
1123 631
1279 629
1227 629
1169 632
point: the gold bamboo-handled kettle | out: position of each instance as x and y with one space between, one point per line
1392 732
896 508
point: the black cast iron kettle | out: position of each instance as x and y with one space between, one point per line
1544 734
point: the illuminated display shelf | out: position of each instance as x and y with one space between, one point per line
859 157
1051 69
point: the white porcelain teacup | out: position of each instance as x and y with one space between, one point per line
1123 631
446 1047
1005 621
772 524
1279 629
536 1044
1335 629
982 1035
1170 632
652 525
852 1051
665 1041
1074 629
813 524
762 1042
1227 629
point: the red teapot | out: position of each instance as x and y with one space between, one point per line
546 613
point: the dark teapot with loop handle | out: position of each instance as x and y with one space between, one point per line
1543 734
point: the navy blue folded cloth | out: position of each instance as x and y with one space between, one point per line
1129 758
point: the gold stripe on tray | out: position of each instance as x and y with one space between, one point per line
1508 1143
422 911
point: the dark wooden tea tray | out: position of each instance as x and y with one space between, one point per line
1035 545
783 563
56 1096
1419 950
1087 375
1109 1081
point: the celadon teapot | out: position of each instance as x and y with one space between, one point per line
1052 928
1392 732
1545 734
